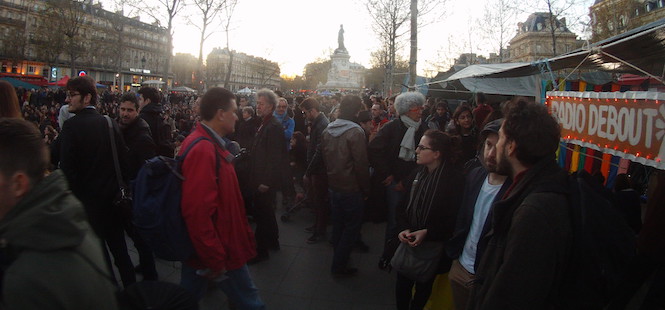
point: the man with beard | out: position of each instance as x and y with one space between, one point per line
529 244
483 187
141 148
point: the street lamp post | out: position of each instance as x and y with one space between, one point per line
142 68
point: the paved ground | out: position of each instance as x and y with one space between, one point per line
298 276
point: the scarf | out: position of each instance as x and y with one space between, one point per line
422 195
283 119
407 150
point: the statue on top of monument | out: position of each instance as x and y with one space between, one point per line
340 38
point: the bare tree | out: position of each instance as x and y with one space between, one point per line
208 12
67 18
316 72
388 19
228 14
162 10
14 45
498 24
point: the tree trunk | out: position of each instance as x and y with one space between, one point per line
169 48
414 44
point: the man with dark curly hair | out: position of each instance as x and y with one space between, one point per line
528 247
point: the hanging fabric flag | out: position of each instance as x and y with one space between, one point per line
597 163
614 167
562 155
575 86
546 86
562 84
616 87
588 163
569 156
624 164
582 86
569 86
580 164
574 163
605 166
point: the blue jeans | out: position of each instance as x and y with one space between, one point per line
347 217
393 199
238 287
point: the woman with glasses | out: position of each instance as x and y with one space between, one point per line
392 155
427 218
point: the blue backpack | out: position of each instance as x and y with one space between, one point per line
157 215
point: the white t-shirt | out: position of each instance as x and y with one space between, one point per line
480 212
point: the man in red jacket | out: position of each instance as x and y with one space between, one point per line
213 209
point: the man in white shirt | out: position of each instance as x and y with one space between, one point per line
483 187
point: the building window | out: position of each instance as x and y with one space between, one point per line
647 7
31 69
661 3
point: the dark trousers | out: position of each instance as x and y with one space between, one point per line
267 233
318 191
347 217
146 258
113 236
405 299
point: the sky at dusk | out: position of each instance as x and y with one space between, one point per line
296 32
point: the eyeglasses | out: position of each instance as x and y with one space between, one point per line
422 147
71 95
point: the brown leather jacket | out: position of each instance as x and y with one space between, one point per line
345 157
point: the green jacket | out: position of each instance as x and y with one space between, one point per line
57 261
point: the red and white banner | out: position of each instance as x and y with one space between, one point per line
628 124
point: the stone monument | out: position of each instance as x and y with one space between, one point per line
343 74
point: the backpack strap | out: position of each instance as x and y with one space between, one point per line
181 158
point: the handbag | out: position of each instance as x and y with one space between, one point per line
123 200
418 263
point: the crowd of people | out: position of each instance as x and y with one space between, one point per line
474 192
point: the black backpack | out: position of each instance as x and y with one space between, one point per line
603 246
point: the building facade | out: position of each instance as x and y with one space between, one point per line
43 40
613 17
246 70
533 40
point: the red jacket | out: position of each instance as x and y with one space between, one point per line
213 210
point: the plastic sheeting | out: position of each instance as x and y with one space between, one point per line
519 86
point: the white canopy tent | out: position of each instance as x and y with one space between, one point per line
472 79
183 89
640 51
152 82
245 91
